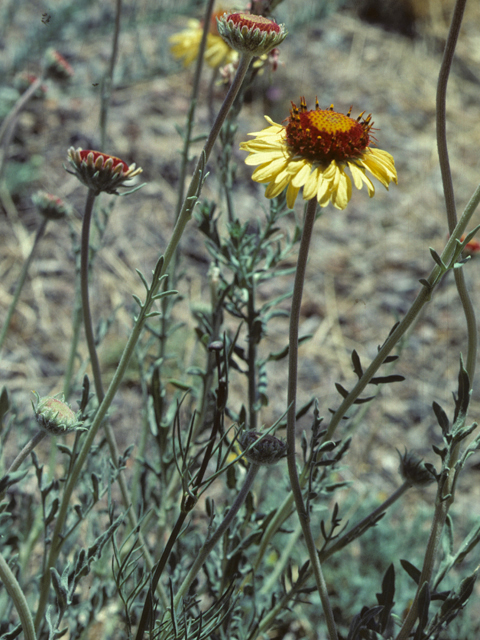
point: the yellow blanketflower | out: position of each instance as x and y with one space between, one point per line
312 152
186 44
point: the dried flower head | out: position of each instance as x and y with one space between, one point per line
56 67
100 171
54 415
249 33
313 150
50 206
413 469
266 449
186 44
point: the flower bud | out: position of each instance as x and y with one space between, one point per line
266 449
50 206
100 171
54 415
56 67
249 33
413 469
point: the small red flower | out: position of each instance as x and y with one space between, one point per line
50 206
56 67
99 171
250 34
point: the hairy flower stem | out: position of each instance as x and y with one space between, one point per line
304 517
15 592
21 280
212 541
183 218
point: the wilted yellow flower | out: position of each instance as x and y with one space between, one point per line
186 44
312 151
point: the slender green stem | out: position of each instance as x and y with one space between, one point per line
304 517
183 218
351 535
212 541
27 449
16 594
9 124
445 491
441 126
193 104
275 577
252 359
21 280
87 316
441 112
87 319
364 524
420 301
108 80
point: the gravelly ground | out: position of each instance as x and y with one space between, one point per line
365 262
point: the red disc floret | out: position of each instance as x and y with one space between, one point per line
323 135
96 154
252 21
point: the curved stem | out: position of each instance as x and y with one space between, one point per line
21 280
310 212
212 541
16 594
444 497
87 316
441 126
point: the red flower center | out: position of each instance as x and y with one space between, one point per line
325 135
96 154
252 21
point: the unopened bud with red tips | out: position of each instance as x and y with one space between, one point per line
56 67
262 448
250 34
50 206
100 171
55 416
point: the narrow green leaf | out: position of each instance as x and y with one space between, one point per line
437 259
387 379
357 367
412 571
